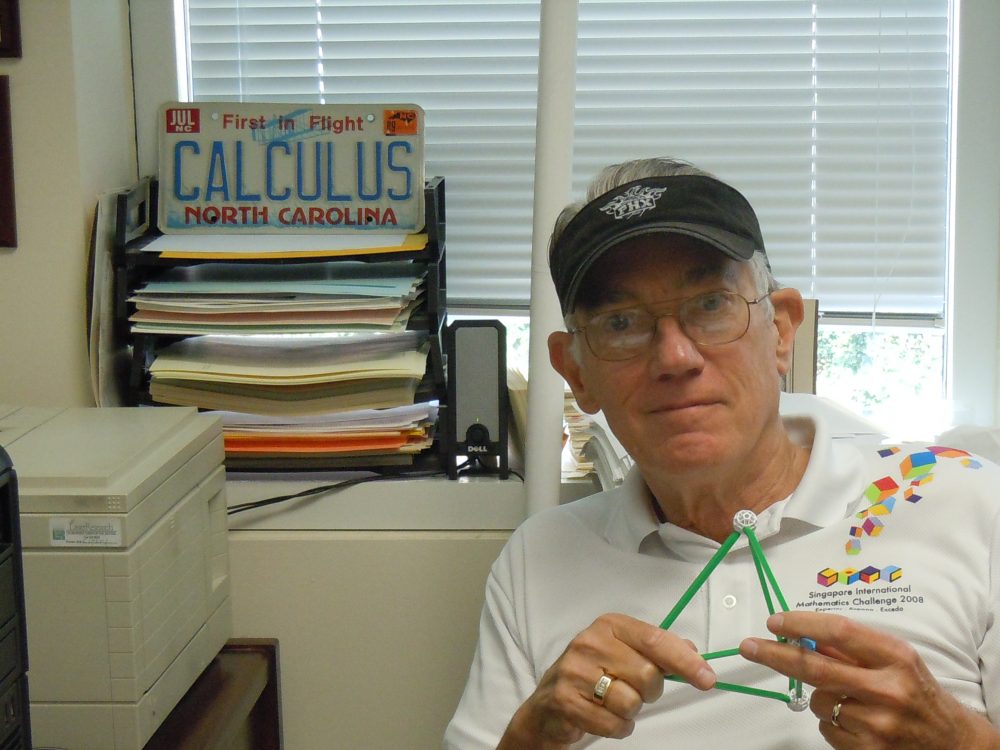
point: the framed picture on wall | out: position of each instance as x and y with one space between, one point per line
10 29
8 224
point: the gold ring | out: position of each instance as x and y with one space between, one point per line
835 716
602 687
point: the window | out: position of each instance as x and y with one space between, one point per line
831 115
471 64
833 118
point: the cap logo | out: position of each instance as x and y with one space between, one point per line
633 202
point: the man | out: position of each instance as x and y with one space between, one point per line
677 331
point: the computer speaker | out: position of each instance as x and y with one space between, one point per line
477 409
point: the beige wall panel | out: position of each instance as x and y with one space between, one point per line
376 629
72 118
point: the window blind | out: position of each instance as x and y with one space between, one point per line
473 67
831 115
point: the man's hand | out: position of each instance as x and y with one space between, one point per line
636 654
887 696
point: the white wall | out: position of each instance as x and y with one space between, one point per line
73 123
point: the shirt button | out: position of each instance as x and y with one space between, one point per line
729 601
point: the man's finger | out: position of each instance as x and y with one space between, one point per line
839 636
669 653
812 668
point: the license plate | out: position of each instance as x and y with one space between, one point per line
291 168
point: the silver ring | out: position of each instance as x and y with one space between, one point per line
835 716
602 686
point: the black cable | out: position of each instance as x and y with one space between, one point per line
324 488
475 466
472 466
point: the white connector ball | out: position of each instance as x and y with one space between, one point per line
798 703
744 519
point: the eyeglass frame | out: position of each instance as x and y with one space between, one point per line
673 313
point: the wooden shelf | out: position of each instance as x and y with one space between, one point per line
233 705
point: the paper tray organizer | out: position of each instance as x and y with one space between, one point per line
133 266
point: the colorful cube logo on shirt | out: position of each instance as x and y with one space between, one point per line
880 489
849 576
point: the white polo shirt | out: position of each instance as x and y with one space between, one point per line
905 539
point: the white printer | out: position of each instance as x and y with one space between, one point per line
126 572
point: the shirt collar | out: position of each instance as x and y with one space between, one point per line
632 519
833 483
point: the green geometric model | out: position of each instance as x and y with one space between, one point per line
744 522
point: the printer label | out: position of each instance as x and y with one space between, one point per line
85 532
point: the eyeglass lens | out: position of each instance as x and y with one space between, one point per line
708 319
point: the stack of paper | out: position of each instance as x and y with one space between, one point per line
575 464
241 246
328 440
290 375
592 448
311 362
228 298
517 389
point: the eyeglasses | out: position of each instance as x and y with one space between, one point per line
707 319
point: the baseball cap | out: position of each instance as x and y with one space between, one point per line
697 206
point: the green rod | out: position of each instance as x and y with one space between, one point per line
753 691
708 657
720 654
763 580
700 580
740 689
755 546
